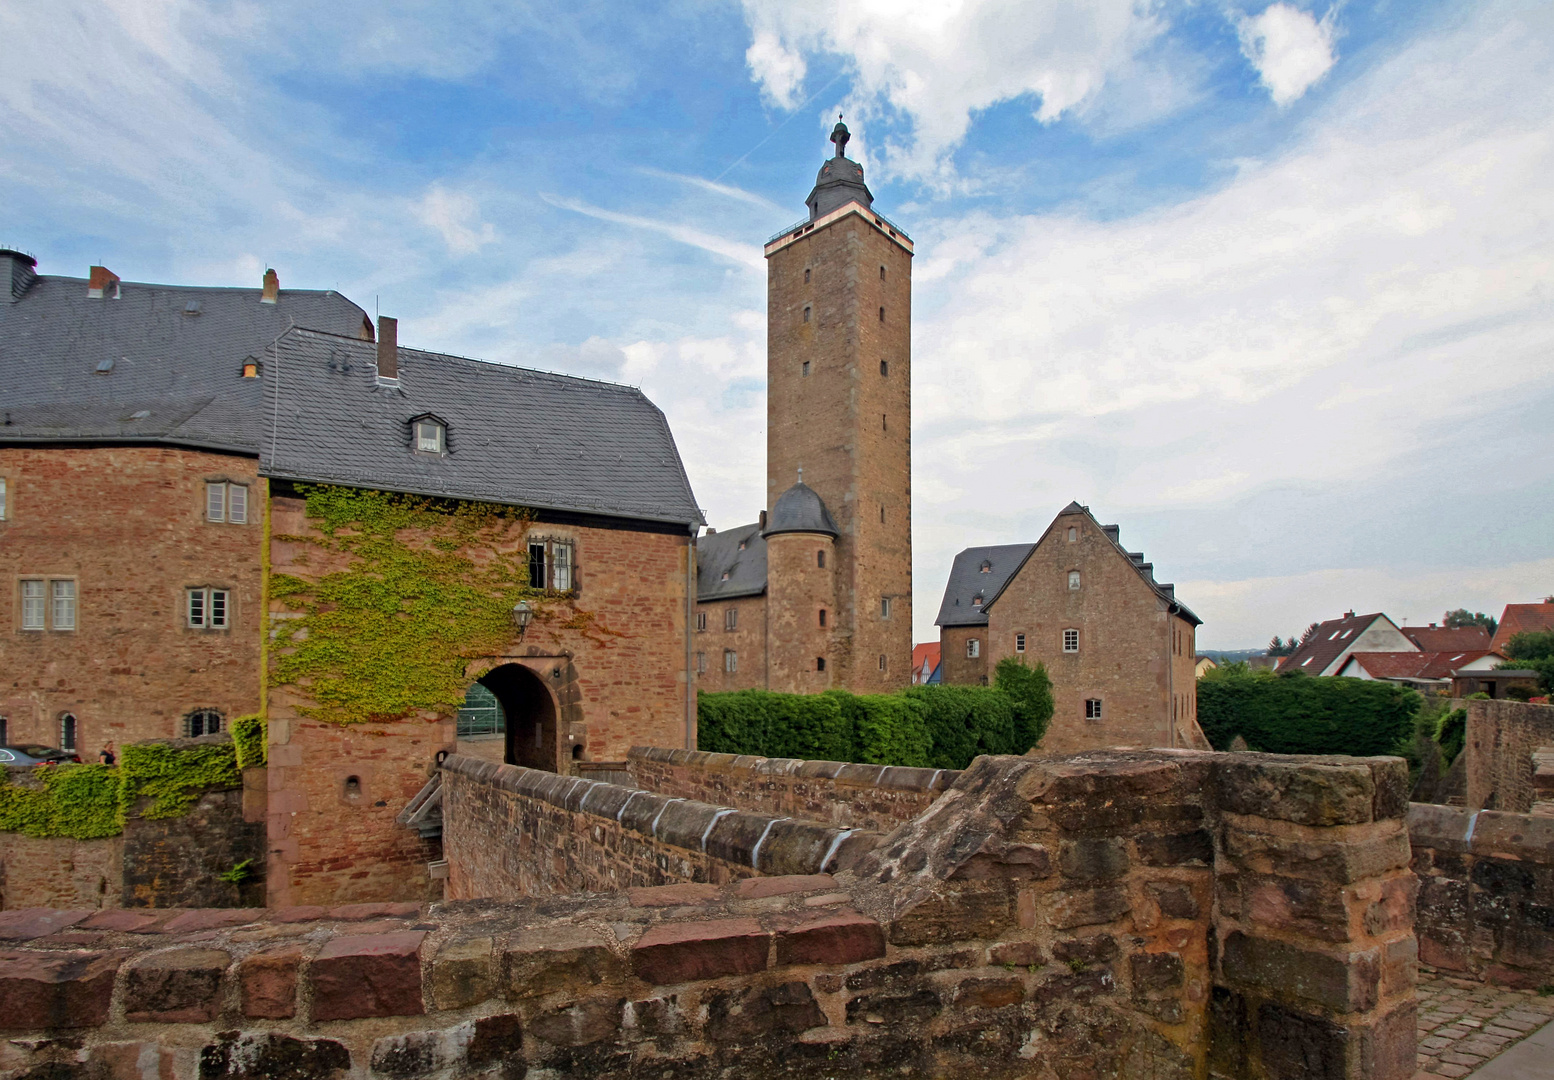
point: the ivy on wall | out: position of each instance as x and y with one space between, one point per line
419 588
87 802
251 741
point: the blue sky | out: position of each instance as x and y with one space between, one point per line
1266 284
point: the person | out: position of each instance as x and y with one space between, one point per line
105 755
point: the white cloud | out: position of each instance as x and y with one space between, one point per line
1290 49
456 215
1328 321
748 255
938 63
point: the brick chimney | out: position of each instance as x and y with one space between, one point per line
272 288
388 347
17 273
102 282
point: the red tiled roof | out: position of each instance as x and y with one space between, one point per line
1327 643
1413 665
928 653
1442 638
1520 619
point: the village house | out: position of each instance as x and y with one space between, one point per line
1117 644
817 592
1325 650
1523 619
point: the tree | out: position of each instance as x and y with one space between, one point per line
1277 647
1533 650
1309 633
1461 617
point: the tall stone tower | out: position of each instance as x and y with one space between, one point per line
839 421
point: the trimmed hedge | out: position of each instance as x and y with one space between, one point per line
940 727
1294 713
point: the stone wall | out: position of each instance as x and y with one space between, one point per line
1486 903
60 872
511 832
1502 736
179 862
848 796
1164 914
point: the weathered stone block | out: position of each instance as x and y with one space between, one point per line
964 913
682 952
989 993
212 919
264 1055
893 1009
580 1023
462 973
1156 971
1307 791
1093 860
178 987
1017 954
1252 845
1298 1046
1195 848
1174 901
1088 907
1388 1044
1097 949
756 1012
843 938
56 989
757 888
368 975
25 924
677 895
133 1061
562 958
1346 982
267 983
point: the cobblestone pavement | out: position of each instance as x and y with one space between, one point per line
1463 1024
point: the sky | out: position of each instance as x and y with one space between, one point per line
1267 285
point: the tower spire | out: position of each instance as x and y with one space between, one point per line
840 135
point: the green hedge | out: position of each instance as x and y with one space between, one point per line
941 727
86 802
1294 713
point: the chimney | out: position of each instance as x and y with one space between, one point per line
1348 614
388 347
272 288
103 282
16 274
763 520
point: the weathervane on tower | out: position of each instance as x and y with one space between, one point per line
839 135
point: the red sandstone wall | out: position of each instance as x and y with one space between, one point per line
798 589
128 525
957 668
1502 736
747 639
848 796
57 872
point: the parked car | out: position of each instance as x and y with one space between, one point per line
27 756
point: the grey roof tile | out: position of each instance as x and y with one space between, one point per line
515 435
968 581
731 564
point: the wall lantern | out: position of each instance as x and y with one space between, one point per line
522 613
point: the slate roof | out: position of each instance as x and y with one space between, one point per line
1412 665
800 509
1444 638
175 377
514 435
1328 643
1520 619
968 582
720 554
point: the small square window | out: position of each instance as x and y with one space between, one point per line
882 273
730 661
973 648
820 558
882 314
804 369
820 663
428 436
201 722
884 607
1071 641
1092 708
822 617
1019 643
701 620
1073 580
806 275
806 314
884 367
64 594
33 605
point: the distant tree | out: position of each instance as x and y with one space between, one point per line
1309 633
1461 617
1277 647
1534 650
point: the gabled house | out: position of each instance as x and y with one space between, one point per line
1521 619
1428 672
925 663
1117 644
1324 652
1435 638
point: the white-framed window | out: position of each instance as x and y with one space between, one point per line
1019 643
701 663
69 729
1071 641
1073 533
730 661
973 648
34 604
1073 580
208 609
1092 708
201 722
226 502
552 565
884 607
3 507
62 612
730 619
429 437
701 622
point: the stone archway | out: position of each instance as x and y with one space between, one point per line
532 731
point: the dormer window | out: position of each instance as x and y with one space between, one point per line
430 435
986 567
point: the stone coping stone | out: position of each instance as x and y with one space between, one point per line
894 777
1485 833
